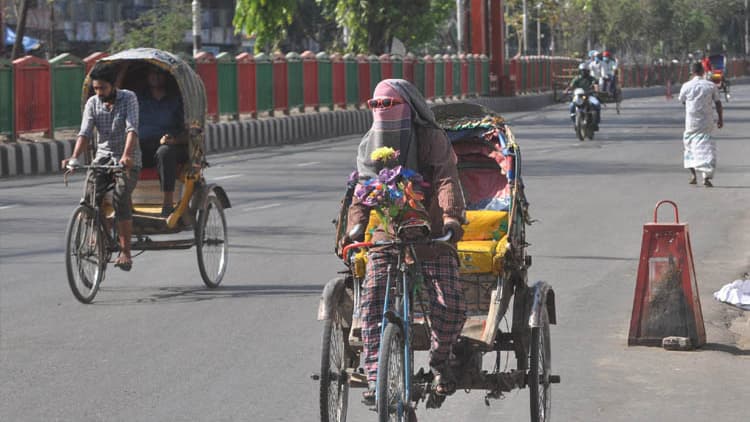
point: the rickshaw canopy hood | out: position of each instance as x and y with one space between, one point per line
189 83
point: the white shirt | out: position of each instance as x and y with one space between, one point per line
608 68
699 95
595 69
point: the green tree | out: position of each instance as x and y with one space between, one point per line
161 27
368 26
266 19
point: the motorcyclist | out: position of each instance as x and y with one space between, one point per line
585 81
607 79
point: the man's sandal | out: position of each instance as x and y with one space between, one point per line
124 265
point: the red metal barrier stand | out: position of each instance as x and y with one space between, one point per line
666 302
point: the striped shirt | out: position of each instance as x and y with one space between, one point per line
112 125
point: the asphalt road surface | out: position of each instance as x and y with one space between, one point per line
158 346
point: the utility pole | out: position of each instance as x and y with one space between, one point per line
51 42
197 44
460 25
525 30
20 29
539 29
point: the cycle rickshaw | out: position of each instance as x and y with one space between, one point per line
608 97
493 269
717 74
199 207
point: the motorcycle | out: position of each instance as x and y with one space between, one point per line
585 114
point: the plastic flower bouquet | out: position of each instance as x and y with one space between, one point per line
395 194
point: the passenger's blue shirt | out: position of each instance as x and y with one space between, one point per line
159 117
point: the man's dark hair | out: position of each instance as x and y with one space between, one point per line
698 68
103 72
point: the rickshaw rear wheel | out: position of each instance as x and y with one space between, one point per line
211 242
334 383
391 385
85 257
540 369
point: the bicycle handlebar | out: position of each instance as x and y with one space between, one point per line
345 253
72 167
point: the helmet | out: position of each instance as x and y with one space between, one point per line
593 53
583 69
606 54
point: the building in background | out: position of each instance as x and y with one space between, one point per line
83 26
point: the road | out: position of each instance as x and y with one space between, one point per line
157 346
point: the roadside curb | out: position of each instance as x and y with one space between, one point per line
24 158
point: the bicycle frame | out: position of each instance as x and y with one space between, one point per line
404 288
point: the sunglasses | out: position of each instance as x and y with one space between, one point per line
383 103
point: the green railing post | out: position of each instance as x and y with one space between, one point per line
471 58
264 82
227 79
325 80
456 63
295 91
398 66
439 75
419 74
352 79
485 63
376 74
67 73
6 97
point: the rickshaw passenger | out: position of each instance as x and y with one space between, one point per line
162 133
114 113
403 121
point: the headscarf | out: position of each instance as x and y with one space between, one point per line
395 126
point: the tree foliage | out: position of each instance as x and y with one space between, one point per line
162 27
366 26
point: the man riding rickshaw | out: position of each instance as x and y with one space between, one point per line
142 207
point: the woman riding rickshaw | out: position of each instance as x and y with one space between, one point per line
492 276
194 205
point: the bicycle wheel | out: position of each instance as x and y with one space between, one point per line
334 383
85 259
539 371
391 385
211 243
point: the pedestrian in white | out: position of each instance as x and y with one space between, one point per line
699 95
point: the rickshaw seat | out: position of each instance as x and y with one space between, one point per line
480 251
148 173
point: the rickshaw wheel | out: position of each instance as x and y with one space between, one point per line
334 383
211 242
539 371
85 257
391 386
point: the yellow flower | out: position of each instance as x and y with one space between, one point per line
383 154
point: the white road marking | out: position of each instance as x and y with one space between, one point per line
7 207
262 207
231 176
311 163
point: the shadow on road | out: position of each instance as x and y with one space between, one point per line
732 350
164 295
